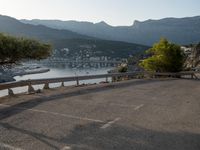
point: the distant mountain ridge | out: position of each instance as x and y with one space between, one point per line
178 30
75 42
15 27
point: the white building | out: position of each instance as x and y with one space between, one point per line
186 50
94 58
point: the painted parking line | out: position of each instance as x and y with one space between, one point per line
122 105
55 113
114 104
110 123
139 106
6 146
66 148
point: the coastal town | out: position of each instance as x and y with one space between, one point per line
87 59
99 75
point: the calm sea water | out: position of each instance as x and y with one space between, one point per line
59 72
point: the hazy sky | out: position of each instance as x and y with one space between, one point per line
114 12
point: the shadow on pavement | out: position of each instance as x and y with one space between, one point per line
135 138
92 137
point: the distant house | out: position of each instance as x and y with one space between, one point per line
187 50
94 58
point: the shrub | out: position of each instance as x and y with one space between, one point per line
165 57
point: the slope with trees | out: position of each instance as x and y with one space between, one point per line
67 39
13 49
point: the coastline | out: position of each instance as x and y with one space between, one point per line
9 77
35 71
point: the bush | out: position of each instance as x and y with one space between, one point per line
123 68
165 57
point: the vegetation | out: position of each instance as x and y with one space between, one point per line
134 60
165 57
122 68
13 49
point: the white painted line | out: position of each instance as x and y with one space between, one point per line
6 146
114 104
54 113
138 107
110 123
65 115
66 148
122 105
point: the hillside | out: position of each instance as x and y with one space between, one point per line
67 39
178 30
13 26
96 47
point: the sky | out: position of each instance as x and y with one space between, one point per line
114 12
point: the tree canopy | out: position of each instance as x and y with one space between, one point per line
164 57
14 49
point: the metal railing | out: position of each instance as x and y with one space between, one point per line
8 86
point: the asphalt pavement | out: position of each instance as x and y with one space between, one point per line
152 114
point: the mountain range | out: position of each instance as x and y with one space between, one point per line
103 39
177 30
63 38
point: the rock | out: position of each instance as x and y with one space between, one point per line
38 91
6 78
10 92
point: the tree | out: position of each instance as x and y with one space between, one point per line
164 57
14 49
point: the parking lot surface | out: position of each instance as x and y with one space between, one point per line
156 114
